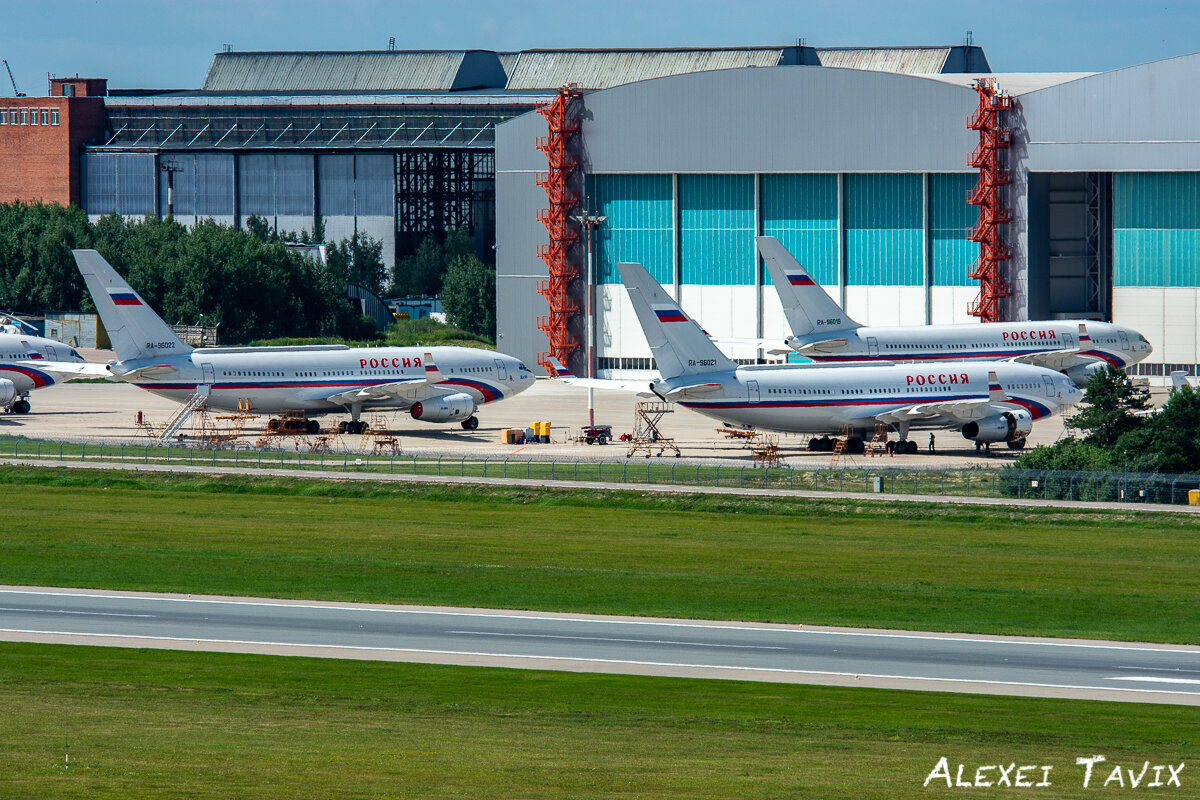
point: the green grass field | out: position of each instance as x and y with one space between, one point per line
990 570
159 724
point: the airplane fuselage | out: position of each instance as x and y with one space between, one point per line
19 355
806 399
272 380
991 341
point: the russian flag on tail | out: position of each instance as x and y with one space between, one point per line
123 298
801 280
669 314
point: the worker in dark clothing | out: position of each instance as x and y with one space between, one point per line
931 442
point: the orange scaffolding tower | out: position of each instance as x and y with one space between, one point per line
992 211
562 124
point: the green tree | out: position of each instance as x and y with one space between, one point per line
1168 440
37 271
469 295
360 259
1111 407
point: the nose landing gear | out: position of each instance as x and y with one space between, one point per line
470 423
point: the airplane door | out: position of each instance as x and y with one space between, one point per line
752 390
209 376
51 353
872 346
500 370
1068 341
1124 339
1048 385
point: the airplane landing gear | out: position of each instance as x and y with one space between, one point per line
21 406
905 447
1017 444
353 426
470 423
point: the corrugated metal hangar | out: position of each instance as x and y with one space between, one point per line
858 159
865 177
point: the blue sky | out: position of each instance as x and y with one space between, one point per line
143 44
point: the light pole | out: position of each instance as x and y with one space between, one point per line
589 221
170 167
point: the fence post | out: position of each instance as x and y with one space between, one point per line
647 471
697 474
600 470
505 467
993 484
60 454
624 469
552 469
791 475
673 465
439 466
528 467
742 478
765 471
462 467
83 452
485 466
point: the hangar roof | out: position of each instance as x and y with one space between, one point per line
383 71
603 69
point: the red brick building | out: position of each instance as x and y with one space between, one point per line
41 139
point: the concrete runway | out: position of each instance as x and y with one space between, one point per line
623 645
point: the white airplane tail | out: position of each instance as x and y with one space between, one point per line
806 306
680 346
134 329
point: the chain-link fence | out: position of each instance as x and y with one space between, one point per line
1004 482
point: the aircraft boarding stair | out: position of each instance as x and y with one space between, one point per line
183 414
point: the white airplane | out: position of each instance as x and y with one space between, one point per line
822 331
32 362
436 384
986 402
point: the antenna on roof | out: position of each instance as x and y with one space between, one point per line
802 42
391 43
970 38
225 48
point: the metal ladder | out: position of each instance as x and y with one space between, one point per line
183 414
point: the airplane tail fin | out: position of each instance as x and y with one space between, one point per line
134 329
806 306
679 344
1179 379
432 373
559 369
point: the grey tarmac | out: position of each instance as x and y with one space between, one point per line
1018 666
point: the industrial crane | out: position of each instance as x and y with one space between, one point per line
12 80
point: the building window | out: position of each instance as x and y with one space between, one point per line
3 116
45 116
54 116
12 116
24 116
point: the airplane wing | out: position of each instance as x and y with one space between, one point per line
1059 359
86 369
409 391
403 391
997 402
562 373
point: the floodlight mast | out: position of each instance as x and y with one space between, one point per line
589 221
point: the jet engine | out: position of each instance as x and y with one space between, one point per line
1083 372
8 392
449 408
1006 427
